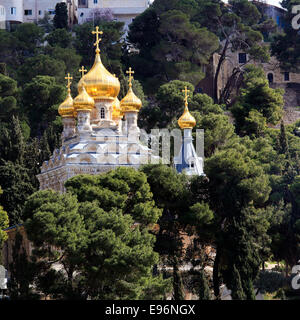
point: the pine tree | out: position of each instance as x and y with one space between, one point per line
92 225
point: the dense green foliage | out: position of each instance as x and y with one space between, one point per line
286 45
171 46
258 104
112 232
99 233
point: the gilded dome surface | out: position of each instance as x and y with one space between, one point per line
66 109
116 113
99 82
83 101
186 121
130 102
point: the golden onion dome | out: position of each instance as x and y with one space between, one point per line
130 102
66 109
83 102
186 121
116 113
99 82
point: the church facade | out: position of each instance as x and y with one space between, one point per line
100 133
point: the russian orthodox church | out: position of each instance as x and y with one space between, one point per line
100 133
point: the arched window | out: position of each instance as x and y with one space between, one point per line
102 113
270 77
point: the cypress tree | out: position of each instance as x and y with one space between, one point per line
237 292
3 224
12 142
33 161
283 142
17 186
17 141
44 147
203 290
178 293
22 272
60 19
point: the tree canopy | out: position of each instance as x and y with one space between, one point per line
99 231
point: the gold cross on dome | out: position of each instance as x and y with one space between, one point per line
130 72
97 32
82 71
69 78
186 93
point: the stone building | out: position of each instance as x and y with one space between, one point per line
277 77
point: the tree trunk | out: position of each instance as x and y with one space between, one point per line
216 278
232 83
216 77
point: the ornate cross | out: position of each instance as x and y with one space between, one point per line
69 78
130 72
97 32
82 71
186 93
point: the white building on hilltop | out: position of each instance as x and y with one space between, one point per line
20 11
122 10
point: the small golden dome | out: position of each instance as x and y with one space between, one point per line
83 101
186 121
99 82
66 109
130 102
116 114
